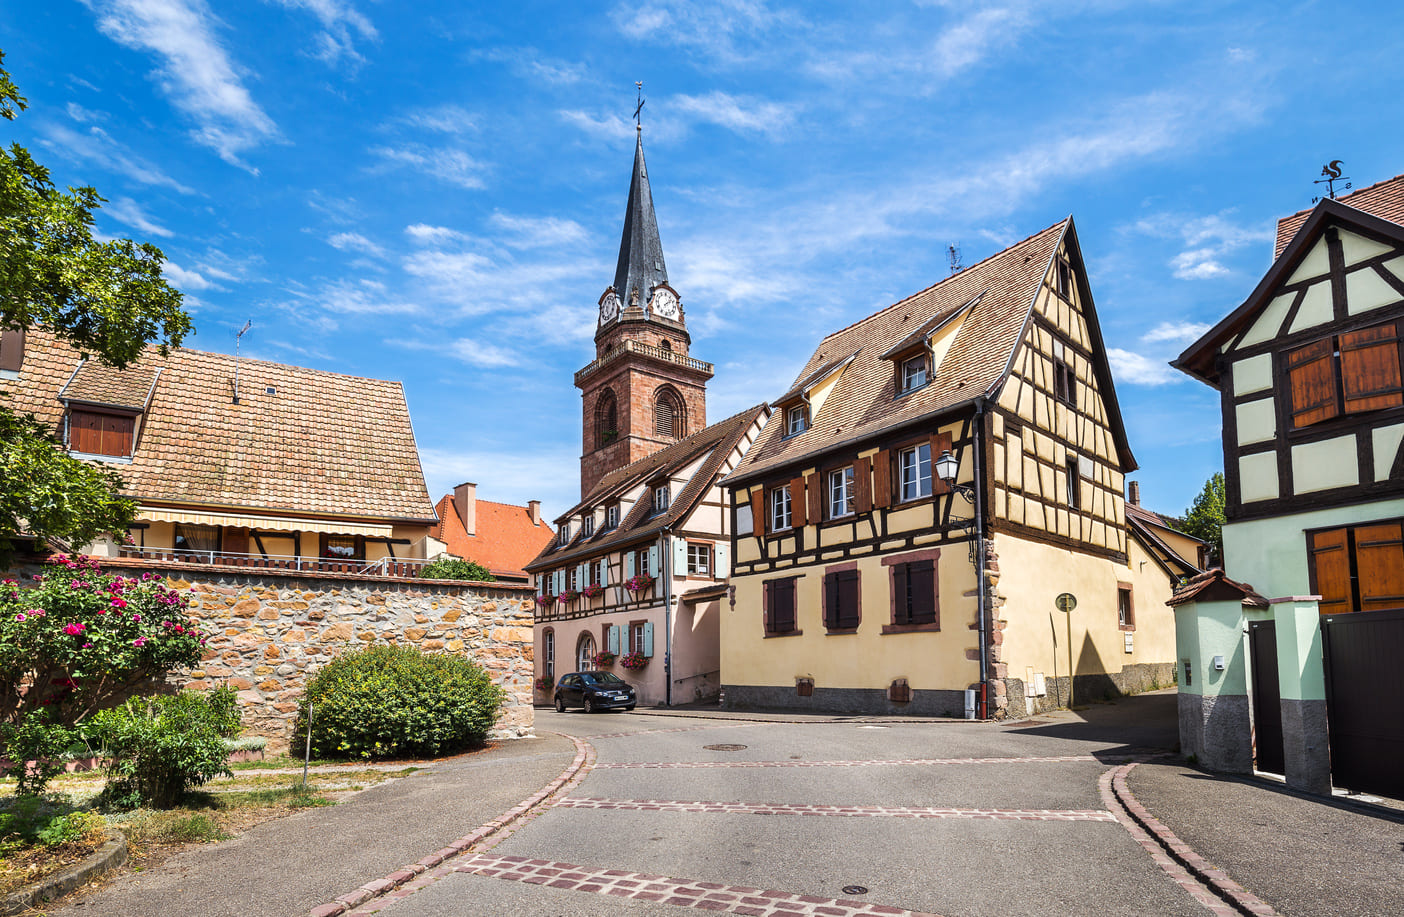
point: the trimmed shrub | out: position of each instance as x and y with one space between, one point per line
453 568
38 750
393 701
160 747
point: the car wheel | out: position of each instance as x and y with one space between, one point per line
630 707
589 705
560 704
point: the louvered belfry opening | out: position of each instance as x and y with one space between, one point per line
606 419
668 415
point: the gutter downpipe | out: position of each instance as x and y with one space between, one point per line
980 600
666 547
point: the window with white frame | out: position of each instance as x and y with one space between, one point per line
637 638
914 373
548 654
565 534
599 574
587 528
660 498
780 508
699 560
795 420
914 472
611 516
642 564
570 579
840 492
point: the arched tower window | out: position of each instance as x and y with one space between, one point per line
669 419
606 419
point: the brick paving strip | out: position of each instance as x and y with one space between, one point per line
705 896
483 838
763 808
729 724
1207 884
859 763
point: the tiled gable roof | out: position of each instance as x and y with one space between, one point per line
714 442
322 442
1383 199
1214 586
1147 526
98 383
504 541
864 401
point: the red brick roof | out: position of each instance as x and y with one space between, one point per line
505 539
322 442
1214 586
1383 199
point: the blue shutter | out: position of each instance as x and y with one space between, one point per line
648 638
614 639
721 561
679 556
604 571
581 579
628 565
653 567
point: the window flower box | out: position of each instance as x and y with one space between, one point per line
544 684
639 583
545 600
570 595
603 660
633 661
592 591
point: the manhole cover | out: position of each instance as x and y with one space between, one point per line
855 889
725 747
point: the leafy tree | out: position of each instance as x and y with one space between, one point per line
453 568
1205 517
107 299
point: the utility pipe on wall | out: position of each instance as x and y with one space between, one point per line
977 428
665 548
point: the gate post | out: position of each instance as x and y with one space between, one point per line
1302 685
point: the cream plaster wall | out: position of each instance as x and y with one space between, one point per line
1253 374
1257 477
1387 441
1325 464
1257 421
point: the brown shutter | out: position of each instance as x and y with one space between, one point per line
1379 565
882 479
816 497
782 614
940 442
768 602
1330 568
831 600
797 517
12 350
117 435
921 579
862 486
901 600
1370 377
85 433
758 512
1313 373
846 594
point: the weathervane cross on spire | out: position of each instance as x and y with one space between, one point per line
638 109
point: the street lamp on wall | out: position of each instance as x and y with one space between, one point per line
947 467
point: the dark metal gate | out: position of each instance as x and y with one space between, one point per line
1267 700
1365 699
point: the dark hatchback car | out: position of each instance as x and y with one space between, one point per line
594 691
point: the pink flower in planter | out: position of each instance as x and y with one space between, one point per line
136 617
118 603
73 630
139 641
20 616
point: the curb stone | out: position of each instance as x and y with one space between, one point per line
1236 895
496 830
110 855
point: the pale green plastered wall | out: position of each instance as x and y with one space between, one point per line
1299 672
1204 630
1270 554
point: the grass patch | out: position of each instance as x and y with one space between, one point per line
176 827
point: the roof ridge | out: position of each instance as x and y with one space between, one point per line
690 438
981 263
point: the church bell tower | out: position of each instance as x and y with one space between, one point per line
642 392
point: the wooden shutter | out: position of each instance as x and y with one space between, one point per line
648 638
862 486
767 602
85 433
846 593
816 497
1379 566
831 600
663 417
940 442
921 580
797 516
1370 376
901 600
1330 571
882 479
758 509
1312 370
613 642
783 614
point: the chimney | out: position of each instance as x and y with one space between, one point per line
534 508
465 500
1135 497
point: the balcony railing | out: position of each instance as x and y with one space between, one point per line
398 567
648 350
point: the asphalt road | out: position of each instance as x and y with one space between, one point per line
659 802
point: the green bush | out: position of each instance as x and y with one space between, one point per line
391 701
160 747
47 745
30 821
453 568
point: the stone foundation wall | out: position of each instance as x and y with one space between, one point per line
270 631
1132 679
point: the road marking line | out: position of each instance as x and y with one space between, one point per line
906 762
763 808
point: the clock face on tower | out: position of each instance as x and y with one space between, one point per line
609 307
664 304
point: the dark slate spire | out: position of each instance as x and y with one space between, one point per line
640 250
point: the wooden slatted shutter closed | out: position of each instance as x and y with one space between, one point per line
784 613
85 433
1313 373
797 516
767 603
882 479
940 442
862 486
648 638
816 497
1379 566
901 595
1370 371
831 601
847 594
664 419
758 512
921 581
1330 564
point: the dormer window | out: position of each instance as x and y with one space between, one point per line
612 516
100 433
660 498
796 420
565 534
587 528
914 373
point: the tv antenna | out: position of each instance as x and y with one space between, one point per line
638 109
238 339
953 253
1332 171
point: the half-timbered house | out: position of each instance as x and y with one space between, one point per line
867 580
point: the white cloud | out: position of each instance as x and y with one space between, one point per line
450 165
603 127
741 114
339 20
196 71
84 115
98 148
1138 369
717 28
969 41
1198 264
442 119
356 297
129 212
1207 239
472 351
530 64
425 234
506 475
1175 332
184 280
535 232
355 242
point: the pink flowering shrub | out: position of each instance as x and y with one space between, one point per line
76 639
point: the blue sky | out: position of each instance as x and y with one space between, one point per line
433 192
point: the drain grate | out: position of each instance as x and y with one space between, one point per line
855 889
724 747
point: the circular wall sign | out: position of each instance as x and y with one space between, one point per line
1066 602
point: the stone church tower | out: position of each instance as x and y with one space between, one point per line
643 392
